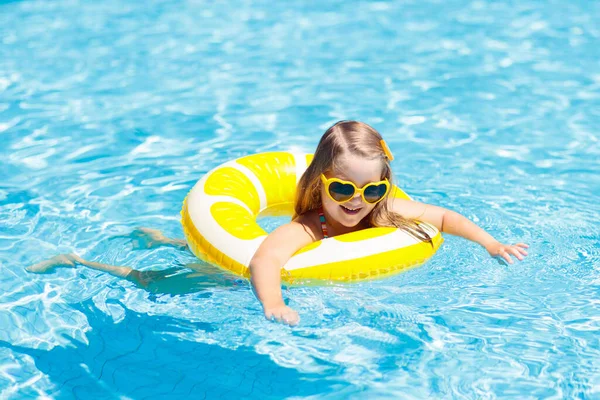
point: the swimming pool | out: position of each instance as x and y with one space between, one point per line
110 112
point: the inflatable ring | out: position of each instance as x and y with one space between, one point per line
219 222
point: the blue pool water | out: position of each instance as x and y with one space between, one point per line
110 111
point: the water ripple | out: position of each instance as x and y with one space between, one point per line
109 113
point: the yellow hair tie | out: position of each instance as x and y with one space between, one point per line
386 150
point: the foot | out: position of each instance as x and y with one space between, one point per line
62 260
147 238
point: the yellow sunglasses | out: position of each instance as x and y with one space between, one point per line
342 191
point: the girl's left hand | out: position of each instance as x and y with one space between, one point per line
498 249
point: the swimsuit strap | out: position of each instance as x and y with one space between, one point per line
323 224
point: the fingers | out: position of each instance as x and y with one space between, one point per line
286 316
506 257
522 251
514 251
269 315
521 248
291 319
517 250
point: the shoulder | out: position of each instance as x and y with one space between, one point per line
303 230
287 239
414 210
408 209
311 224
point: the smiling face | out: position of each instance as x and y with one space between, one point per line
360 171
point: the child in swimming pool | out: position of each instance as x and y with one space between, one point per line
344 189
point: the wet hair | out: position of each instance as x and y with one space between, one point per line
359 139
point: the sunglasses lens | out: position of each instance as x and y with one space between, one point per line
341 191
374 193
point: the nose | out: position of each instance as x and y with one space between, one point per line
354 198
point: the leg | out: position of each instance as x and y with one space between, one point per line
171 280
140 278
142 238
72 260
147 238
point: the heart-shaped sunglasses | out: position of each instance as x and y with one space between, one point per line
342 191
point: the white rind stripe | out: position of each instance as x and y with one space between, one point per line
300 161
262 194
333 250
199 204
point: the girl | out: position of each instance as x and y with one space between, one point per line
344 189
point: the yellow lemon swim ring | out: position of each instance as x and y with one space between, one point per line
219 222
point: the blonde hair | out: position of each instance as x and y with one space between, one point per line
360 139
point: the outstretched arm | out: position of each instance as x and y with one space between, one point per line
455 224
265 269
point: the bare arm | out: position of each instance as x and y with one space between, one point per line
451 222
265 268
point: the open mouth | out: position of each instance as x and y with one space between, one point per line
350 211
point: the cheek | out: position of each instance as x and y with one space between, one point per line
332 207
327 202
